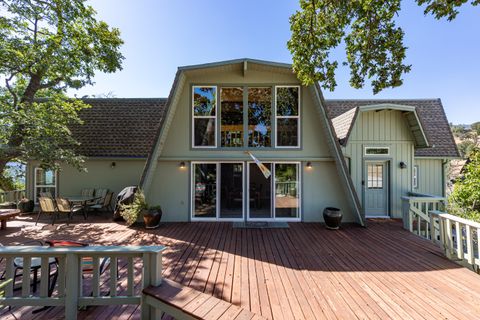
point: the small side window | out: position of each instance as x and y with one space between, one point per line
204 125
376 151
415 177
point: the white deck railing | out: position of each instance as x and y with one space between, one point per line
11 196
416 216
69 291
459 238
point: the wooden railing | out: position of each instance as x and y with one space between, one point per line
416 216
12 196
459 238
70 276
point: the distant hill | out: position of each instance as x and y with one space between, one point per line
467 136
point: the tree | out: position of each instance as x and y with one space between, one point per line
476 127
373 42
465 198
47 47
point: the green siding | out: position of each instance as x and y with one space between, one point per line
170 185
385 128
430 176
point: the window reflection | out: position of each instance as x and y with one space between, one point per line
232 117
259 117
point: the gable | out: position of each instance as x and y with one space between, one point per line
430 114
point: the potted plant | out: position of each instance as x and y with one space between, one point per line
131 212
332 217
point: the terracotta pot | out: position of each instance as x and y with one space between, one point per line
152 218
333 217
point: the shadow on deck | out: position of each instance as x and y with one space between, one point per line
304 271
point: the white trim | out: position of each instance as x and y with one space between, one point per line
193 117
35 186
376 154
415 170
276 117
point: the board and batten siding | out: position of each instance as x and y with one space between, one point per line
385 128
430 176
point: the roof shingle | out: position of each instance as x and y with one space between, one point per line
116 127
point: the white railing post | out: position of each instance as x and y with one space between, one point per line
72 286
469 238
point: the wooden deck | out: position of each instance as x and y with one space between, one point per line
303 272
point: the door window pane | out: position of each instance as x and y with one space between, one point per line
260 191
45 181
231 195
375 176
205 193
286 190
232 117
259 117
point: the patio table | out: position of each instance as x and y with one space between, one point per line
82 201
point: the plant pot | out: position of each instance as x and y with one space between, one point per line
333 217
152 218
25 206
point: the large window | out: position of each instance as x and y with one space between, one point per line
204 116
231 117
245 117
259 117
287 116
45 182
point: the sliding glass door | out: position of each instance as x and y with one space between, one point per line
275 198
217 191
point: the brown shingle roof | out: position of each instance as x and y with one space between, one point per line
431 114
116 127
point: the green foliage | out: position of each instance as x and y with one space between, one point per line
130 212
47 47
476 127
13 177
465 198
374 44
465 148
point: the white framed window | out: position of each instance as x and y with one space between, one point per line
377 151
287 116
204 116
415 177
45 181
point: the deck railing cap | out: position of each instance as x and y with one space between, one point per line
80 250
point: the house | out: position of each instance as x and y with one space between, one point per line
188 151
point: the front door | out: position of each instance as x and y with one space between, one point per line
376 189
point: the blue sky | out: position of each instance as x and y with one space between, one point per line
161 35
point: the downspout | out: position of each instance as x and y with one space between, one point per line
444 180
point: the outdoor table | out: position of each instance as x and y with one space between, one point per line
82 201
6 214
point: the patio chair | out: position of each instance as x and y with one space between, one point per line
64 206
47 206
87 192
105 204
101 194
46 194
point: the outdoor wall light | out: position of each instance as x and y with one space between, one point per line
113 164
182 165
403 165
309 165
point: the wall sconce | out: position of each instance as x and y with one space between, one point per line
182 165
403 165
113 164
309 165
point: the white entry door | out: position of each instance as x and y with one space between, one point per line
376 189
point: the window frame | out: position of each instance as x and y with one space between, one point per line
415 176
276 117
376 154
215 117
35 186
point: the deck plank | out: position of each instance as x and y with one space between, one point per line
304 272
